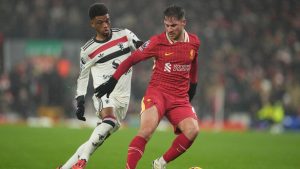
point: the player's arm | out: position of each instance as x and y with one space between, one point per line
193 77
194 70
145 51
134 41
82 83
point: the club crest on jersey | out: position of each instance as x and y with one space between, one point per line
192 54
121 46
141 48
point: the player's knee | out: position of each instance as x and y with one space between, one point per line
113 123
195 130
146 132
116 128
191 131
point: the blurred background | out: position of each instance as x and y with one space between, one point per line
249 60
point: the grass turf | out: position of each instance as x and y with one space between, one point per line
23 147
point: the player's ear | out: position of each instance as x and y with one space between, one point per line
183 22
92 23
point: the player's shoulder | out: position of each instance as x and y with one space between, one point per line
154 40
194 38
161 36
88 44
149 44
121 31
115 30
157 38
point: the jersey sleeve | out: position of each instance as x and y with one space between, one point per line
83 79
194 66
147 50
134 41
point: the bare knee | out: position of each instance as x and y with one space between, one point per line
189 128
146 132
191 132
108 111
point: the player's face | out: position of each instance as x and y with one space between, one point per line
102 25
174 27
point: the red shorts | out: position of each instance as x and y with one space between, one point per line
173 108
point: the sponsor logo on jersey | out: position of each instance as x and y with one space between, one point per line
167 67
181 68
176 67
116 63
106 77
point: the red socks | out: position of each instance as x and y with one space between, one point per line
135 151
179 146
137 147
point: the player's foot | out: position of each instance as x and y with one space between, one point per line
158 164
59 167
80 164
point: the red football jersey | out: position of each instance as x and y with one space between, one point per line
175 64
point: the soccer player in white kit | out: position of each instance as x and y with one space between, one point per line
101 56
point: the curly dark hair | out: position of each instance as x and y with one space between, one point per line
97 9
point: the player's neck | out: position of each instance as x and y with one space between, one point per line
181 38
102 37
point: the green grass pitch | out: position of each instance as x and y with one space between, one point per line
23 147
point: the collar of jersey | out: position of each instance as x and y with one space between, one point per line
105 40
186 37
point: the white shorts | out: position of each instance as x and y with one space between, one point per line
120 109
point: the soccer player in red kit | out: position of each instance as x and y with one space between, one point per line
172 86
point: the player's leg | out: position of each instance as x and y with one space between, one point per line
186 123
183 141
152 110
108 125
149 122
100 132
74 158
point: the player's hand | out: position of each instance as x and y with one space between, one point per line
80 108
106 88
80 113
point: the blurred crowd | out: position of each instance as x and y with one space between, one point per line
249 57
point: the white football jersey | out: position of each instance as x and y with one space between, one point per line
102 58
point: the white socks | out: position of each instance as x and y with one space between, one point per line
162 161
86 150
97 138
74 158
